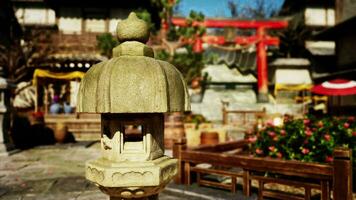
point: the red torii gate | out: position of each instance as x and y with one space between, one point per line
261 39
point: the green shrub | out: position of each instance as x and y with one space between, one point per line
309 139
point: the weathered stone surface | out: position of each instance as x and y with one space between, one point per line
131 174
131 84
132 28
132 81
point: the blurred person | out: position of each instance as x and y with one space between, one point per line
41 134
55 107
30 131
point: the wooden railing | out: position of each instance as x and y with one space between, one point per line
286 172
244 115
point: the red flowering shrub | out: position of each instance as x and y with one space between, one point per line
309 139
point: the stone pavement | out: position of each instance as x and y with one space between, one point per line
57 173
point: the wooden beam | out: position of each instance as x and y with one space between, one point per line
222 23
287 167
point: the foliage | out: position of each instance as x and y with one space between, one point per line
167 7
146 16
256 9
293 38
105 43
309 139
195 118
189 63
190 30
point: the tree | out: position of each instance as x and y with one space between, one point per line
293 38
256 9
189 63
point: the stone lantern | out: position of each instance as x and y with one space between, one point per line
132 91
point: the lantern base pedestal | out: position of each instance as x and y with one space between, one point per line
131 179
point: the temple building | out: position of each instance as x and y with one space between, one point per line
60 44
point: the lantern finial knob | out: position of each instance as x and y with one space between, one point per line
132 29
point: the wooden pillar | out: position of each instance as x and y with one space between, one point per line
179 145
325 190
246 187
187 178
262 76
46 100
342 180
36 94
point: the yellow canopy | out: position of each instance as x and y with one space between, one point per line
41 73
292 87
292 79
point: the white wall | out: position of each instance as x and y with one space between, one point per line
70 25
319 17
40 16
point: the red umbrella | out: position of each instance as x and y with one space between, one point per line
337 87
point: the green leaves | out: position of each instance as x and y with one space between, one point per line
193 30
105 43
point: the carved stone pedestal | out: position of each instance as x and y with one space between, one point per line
131 179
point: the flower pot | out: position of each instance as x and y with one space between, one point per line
209 138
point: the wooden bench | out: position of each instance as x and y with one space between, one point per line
233 175
324 177
323 186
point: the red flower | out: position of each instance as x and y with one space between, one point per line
271 134
270 123
327 137
306 121
283 132
351 119
305 151
354 133
346 125
271 148
306 142
252 139
275 139
329 159
308 133
279 155
259 151
320 124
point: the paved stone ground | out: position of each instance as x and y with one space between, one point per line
57 173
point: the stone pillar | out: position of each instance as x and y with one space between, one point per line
5 146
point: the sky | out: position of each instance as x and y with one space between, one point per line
217 8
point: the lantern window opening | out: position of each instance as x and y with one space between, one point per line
133 133
133 136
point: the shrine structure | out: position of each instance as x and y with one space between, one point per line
261 39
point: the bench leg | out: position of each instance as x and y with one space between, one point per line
187 173
198 178
260 189
325 190
246 183
307 194
233 184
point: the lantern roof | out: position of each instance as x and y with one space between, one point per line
133 81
